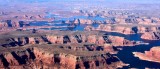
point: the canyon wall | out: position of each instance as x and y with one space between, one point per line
47 57
125 28
151 35
70 39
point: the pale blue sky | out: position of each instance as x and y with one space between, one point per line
94 2
128 1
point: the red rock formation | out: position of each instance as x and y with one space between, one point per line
31 40
82 50
108 47
73 39
119 29
104 62
70 39
41 58
11 60
151 36
152 55
89 28
15 24
100 41
92 39
124 28
85 21
120 41
55 39
3 24
69 61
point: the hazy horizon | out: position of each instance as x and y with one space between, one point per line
89 3
117 1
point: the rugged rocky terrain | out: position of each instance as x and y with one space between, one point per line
152 55
60 49
151 35
69 34
50 56
125 28
63 37
116 19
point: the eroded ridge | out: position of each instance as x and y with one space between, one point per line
61 49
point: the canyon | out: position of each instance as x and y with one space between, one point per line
69 34
56 50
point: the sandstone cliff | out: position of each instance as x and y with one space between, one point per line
151 36
125 28
41 57
152 55
59 50
90 38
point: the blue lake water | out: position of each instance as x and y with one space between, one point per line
127 57
59 22
78 27
91 18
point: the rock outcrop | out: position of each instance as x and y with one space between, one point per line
85 21
11 24
120 41
124 28
60 49
51 57
151 36
152 55
79 37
